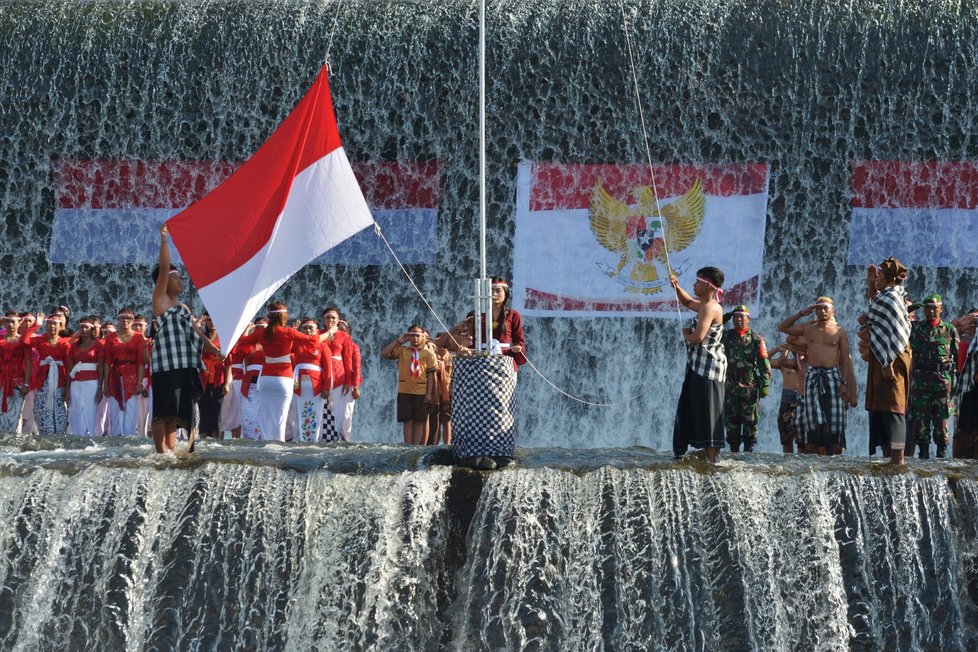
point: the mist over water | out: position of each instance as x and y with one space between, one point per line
808 87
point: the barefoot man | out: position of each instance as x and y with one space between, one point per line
793 368
699 415
826 383
176 359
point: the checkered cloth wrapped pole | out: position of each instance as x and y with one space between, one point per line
482 407
889 324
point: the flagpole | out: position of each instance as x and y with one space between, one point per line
482 284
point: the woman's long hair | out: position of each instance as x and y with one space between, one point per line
501 328
275 318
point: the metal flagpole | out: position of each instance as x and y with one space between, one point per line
482 292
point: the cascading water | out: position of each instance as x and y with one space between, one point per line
245 546
248 546
805 87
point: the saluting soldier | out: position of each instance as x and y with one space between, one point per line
748 380
934 344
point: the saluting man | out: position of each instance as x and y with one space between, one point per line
934 344
748 380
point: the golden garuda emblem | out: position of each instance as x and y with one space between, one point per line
641 235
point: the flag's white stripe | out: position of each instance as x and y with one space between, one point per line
328 187
929 237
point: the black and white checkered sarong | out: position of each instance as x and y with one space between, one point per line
482 407
822 403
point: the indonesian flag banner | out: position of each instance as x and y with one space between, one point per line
592 241
109 211
294 199
924 213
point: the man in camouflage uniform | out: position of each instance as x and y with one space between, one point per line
935 345
748 380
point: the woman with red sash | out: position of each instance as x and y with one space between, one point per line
15 371
338 421
122 375
231 404
50 411
253 362
313 374
276 383
144 393
84 389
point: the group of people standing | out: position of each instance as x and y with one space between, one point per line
921 373
424 365
278 382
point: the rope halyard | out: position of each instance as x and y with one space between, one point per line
648 151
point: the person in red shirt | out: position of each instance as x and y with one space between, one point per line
84 387
144 392
27 425
15 372
356 381
313 374
122 375
276 383
50 410
254 362
231 404
212 379
338 423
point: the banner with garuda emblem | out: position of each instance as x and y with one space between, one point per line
594 240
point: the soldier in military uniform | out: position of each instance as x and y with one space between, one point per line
748 380
934 344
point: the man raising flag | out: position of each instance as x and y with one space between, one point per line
292 201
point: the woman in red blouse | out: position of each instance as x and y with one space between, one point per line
83 387
50 410
122 375
275 386
338 423
212 379
313 373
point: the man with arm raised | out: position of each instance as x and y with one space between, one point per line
827 389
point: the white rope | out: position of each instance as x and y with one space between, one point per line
648 153
411 280
378 231
329 44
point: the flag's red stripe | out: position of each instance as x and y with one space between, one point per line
744 292
136 184
177 184
554 186
232 223
915 184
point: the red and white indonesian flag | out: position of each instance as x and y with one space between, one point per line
584 253
294 199
923 212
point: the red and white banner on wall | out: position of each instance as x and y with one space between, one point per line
923 212
109 211
590 241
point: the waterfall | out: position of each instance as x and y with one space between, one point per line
227 556
266 546
807 87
